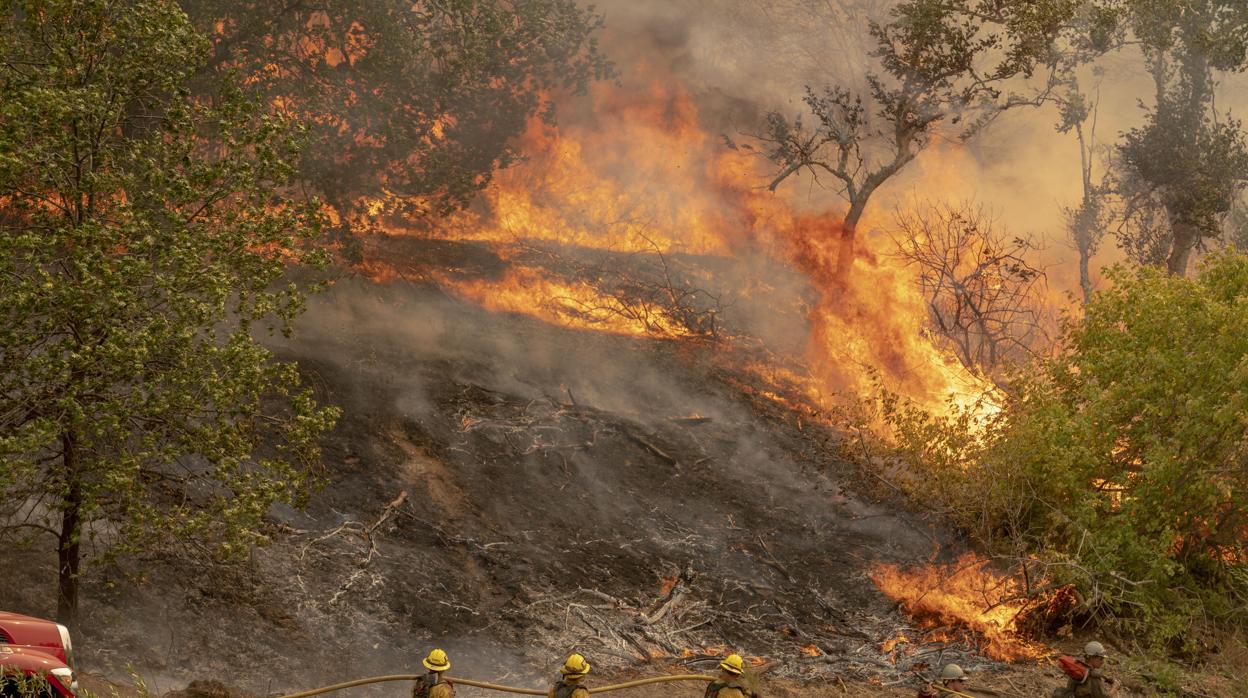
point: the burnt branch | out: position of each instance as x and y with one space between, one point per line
982 293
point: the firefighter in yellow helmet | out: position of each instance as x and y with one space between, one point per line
952 682
729 683
432 685
570 675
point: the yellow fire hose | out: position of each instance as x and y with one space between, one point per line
497 687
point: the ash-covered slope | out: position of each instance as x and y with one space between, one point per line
510 490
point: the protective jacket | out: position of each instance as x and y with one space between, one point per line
432 685
727 689
568 689
1094 685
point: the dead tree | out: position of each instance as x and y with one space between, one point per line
981 291
1087 222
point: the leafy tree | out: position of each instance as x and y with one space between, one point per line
1187 160
144 241
410 105
1123 464
942 62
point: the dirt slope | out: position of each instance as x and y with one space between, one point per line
511 491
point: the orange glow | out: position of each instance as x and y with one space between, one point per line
645 177
968 596
811 651
532 292
892 643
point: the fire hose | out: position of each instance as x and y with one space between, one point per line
498 687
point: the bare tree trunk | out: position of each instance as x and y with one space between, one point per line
845 250
69 550
1184 237
1085 278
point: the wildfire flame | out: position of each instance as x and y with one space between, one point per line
645 177
948 600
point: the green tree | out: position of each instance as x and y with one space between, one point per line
1187 160
410 104
942 62
143 242
1123 464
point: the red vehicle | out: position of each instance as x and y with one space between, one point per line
32 647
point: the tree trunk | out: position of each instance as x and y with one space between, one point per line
1085 278
845 251
1183 240
69 550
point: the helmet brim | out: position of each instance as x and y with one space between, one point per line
435 667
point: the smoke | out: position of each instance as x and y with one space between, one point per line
741 60
387 328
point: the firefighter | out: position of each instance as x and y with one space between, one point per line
1094 684
729 683
432 685
569 683
952 681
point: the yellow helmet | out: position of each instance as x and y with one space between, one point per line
575 667
437 661
733 664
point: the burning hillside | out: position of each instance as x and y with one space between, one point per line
630 216
585 412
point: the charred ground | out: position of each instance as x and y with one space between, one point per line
511 490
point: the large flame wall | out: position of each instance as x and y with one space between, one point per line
634 170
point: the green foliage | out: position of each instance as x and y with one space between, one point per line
1193 163
144 242
1165 677
1123 463
413 102
1186 161
22 685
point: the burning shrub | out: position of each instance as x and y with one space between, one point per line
969 596
1122 462
419 101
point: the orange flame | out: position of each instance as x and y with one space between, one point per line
966 596
645 176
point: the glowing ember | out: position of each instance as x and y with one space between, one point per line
531 292
967 596
892 643
811 651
